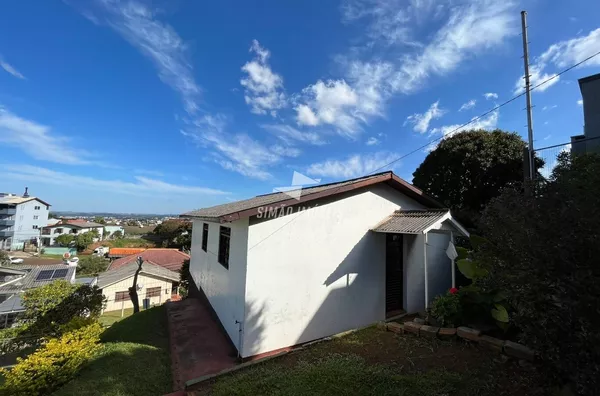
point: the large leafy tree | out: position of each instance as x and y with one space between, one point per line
468 169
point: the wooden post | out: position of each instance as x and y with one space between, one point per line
122 308
133 295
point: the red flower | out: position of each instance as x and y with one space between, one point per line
453 290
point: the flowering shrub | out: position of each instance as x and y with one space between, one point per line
447 308
53 364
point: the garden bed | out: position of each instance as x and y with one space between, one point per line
376 362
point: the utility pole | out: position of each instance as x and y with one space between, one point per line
528 93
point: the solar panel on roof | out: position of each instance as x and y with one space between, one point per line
59 273
44 275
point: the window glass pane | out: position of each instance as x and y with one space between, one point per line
224 240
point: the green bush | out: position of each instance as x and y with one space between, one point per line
48 309
543 251
55 363
184 278
447 309
91 265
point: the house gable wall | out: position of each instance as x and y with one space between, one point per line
317 272
144 280
223 287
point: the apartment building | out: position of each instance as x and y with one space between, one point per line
21 219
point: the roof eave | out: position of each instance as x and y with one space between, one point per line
388 177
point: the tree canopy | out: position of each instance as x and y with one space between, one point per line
468 169
65 239
174 233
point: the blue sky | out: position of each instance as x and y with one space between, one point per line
162 107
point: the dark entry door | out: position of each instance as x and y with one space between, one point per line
393 273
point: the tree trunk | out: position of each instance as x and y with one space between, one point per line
133 289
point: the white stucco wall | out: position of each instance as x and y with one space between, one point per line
320 274
26 218
439 270
146 281
223 287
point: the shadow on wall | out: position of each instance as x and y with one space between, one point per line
254 324
356 295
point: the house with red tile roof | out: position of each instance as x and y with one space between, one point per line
171 259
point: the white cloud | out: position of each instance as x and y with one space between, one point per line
389 20
488 122
237 152
329 103
536 77
11 69
580 102
354 166
546 108
561 55
421 121
285 151
140 186
490 95
372 141
346 103
263 88
471 28
37 140
565 53
466 29
158 41
290 134
468 105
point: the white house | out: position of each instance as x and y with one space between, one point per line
283 269
75 227
154 283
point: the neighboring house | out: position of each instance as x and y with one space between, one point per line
111 229
154 282
171 259
21 219
283 269
590 94
15 280
75 227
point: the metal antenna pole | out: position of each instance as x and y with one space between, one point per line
528 93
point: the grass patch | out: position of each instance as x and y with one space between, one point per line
336 374
52 256
375 362
111 317
134 359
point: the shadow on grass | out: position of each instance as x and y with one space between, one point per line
123 368
134 359
148 327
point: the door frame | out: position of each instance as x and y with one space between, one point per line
398 306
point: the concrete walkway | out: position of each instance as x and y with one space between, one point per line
199 346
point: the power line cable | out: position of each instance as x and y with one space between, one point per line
449 133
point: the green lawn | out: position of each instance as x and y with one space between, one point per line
52 256
134 360
374 362
111 317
